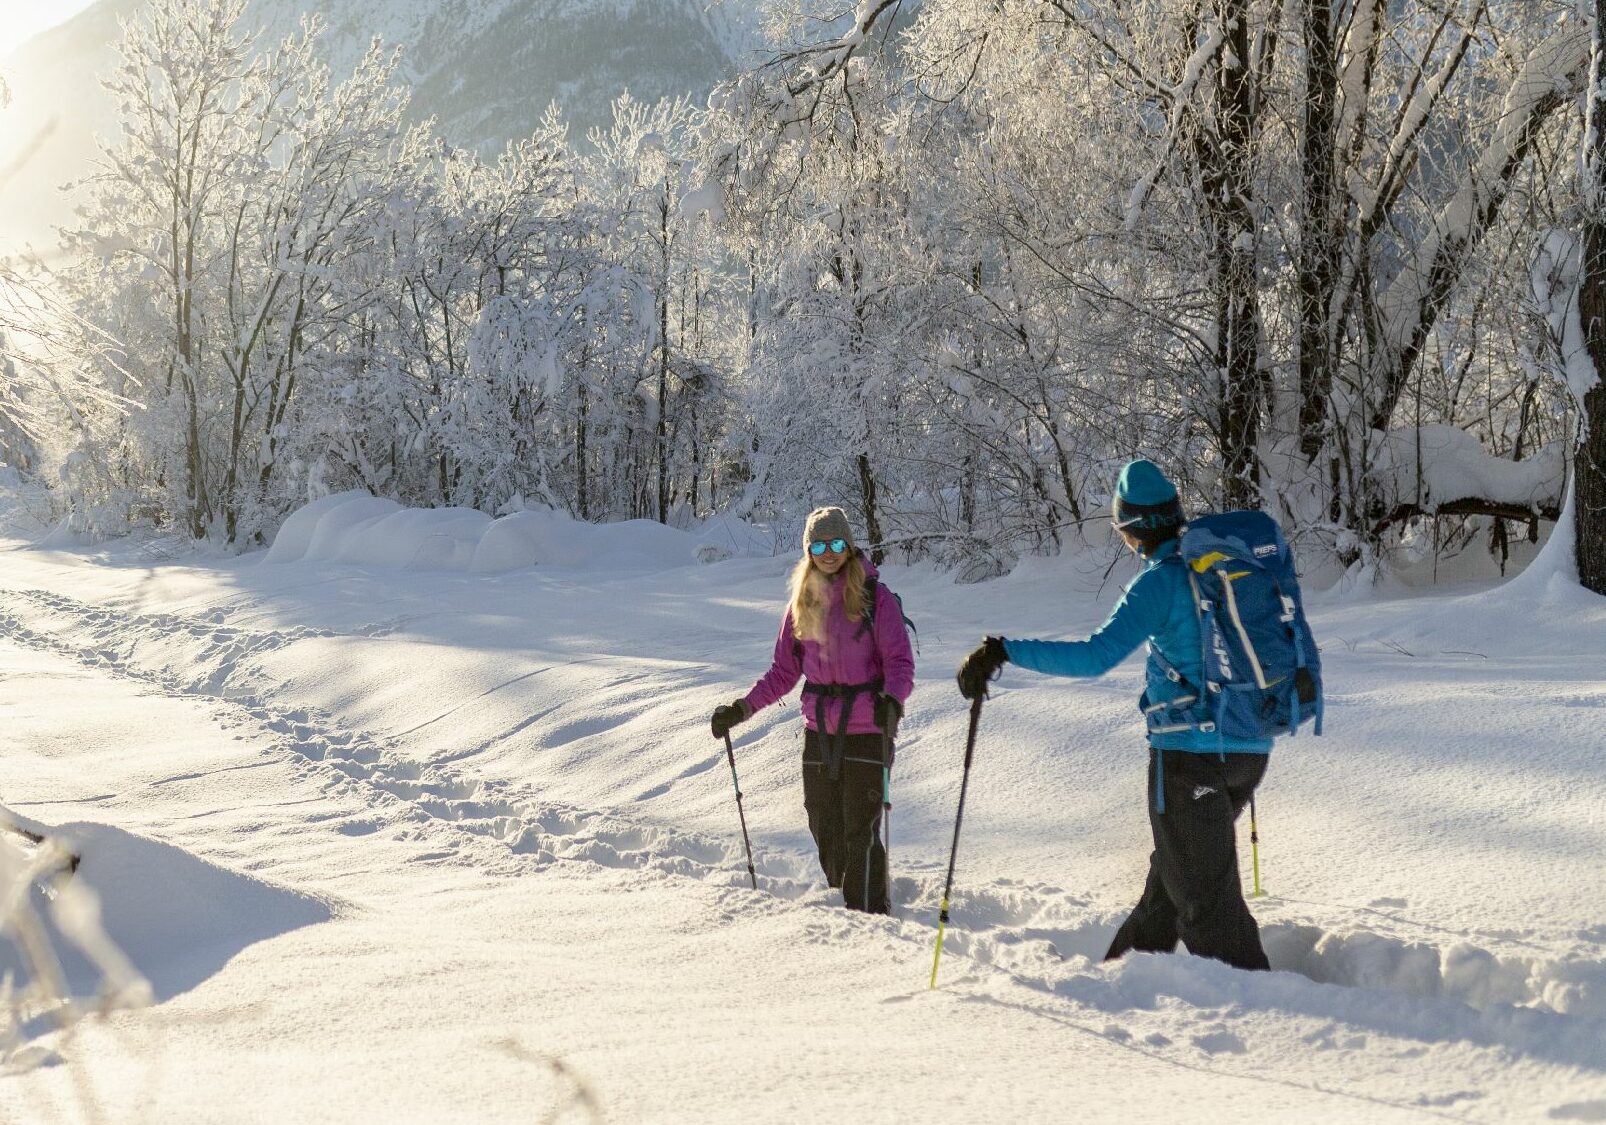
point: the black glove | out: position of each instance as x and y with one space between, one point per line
887 713
980 667
728 715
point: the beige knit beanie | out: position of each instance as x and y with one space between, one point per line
827 523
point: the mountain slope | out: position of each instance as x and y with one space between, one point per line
486 69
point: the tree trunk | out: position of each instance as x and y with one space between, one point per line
1589 460
1589 474
1317 263
872 518
663 359
582 497
1228 162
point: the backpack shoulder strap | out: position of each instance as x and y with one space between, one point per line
872 590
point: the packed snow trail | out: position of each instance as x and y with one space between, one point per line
528 748
402 979
213 655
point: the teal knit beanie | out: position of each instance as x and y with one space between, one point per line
1145 501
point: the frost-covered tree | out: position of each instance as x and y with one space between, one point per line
1420 124
1187 80
424 418
1314 216
308 295
220 232
309 217
641 183
186 83
49 397
837 301
961 263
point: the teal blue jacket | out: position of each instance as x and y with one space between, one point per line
1157 606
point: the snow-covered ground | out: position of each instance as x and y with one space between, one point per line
400 829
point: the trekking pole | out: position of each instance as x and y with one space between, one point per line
886 807
730 755
953 853
1254 846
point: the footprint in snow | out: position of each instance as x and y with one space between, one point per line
690 771
1437 1100
1221 1042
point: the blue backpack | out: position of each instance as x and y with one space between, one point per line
1262 672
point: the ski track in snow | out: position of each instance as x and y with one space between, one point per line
1548 1007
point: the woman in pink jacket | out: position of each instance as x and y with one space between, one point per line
844 635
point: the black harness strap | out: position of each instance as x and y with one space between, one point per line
835 743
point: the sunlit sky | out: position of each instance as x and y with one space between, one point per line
21 20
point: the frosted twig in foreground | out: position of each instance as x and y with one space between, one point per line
75 910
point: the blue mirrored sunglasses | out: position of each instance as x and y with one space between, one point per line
835 546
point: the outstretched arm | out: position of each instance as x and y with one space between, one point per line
1139 615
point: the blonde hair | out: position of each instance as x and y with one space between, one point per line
810 596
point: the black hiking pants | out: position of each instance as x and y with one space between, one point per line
845 817
1194 891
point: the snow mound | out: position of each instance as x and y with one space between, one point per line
735 536
423 539
320 522
356 528
1573 985
546 538
177 918
1439 463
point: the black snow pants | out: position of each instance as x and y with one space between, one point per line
1194 891
845 816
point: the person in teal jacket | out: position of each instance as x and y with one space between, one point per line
1199 782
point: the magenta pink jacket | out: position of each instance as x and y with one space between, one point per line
850 654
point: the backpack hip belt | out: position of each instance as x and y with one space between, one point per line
835 743
1188 711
